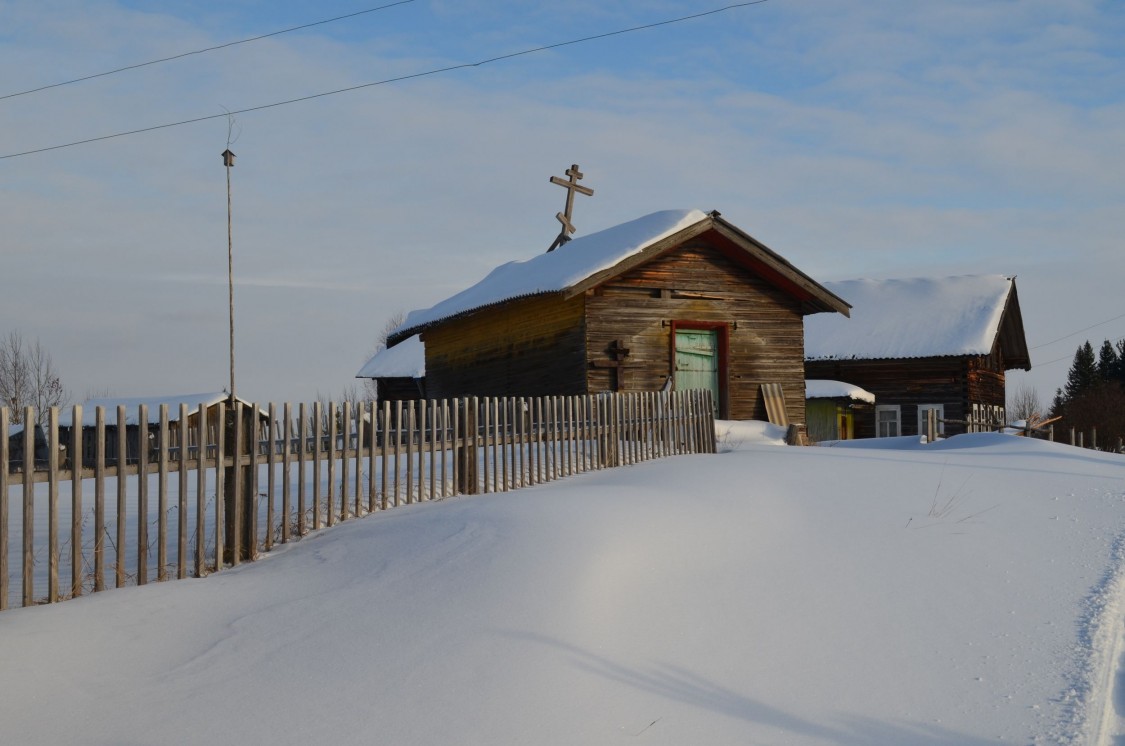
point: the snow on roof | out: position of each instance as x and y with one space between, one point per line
560 269
407 359
131 404
826 389
920 317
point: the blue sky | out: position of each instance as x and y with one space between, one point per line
873 139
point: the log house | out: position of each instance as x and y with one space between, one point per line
924 343
678 298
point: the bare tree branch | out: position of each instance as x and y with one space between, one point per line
28 378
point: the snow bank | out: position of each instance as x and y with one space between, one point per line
732 435
966 592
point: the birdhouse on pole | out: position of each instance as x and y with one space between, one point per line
228 158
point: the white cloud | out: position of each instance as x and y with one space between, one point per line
876 138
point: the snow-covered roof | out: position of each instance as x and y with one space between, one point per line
131 404
589 260
557 270
407 359
911 318
826 389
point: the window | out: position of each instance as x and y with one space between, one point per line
888 420
939 410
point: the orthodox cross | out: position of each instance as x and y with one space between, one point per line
564 217
618 352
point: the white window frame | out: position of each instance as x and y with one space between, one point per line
879 409
922 409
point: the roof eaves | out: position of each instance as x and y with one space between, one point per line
820 296
405 333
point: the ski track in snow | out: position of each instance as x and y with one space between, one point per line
1091 703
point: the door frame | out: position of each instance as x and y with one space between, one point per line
722 339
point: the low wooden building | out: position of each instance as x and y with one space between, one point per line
676 298
831 409
922 344
399 371
147 432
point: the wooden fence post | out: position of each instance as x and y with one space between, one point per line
76 463
28 506
162 496
4 480
142 494
286 456
330 501
122 466
201 491
53 505
302 457
411 420
467 451
181 495
238 493
99 499
384 455
272 434
318 445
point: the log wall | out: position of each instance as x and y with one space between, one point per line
955 382
529 347
698 282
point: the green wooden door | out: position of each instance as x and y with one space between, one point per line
697 362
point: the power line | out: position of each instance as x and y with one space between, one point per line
1066 357
201 51
400 78
1068 336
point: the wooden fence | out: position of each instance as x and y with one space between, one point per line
932 431
191 502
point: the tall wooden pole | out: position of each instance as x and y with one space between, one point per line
238 483
228 161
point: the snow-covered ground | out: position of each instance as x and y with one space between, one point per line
968 591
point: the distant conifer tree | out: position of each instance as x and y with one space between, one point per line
1083 373
1108 362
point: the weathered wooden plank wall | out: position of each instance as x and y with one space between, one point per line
955 382
700 283
411 452
540 352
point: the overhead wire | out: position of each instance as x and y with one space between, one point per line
202 51
396 79
1068 336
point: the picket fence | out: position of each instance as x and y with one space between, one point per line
298 469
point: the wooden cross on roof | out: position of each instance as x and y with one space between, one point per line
564 217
